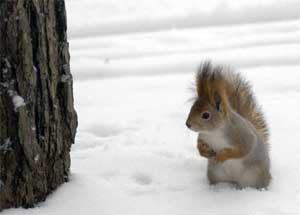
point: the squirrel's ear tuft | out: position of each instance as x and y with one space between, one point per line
218 100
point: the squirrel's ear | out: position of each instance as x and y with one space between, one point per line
218 100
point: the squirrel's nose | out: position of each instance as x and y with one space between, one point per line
188 125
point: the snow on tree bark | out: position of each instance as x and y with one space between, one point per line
37 117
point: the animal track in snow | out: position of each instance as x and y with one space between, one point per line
142 179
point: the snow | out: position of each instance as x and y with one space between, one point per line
5 147
18 101
36 158
104 17
133 67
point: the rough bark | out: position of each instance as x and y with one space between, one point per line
35 136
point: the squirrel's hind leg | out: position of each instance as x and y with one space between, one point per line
255 177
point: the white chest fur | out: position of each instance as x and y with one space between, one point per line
214 139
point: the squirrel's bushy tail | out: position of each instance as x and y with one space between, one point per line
239 93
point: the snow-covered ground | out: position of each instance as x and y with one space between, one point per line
133 64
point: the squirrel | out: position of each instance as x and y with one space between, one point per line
232 132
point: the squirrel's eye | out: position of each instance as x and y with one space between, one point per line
205 115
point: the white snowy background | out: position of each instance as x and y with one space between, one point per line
133 64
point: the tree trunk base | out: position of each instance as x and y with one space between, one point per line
37 116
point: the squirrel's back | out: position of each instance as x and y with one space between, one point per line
237 90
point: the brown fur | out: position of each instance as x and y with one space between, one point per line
229 153
230 126
236 151
234 91
204 150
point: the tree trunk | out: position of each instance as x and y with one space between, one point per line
37 117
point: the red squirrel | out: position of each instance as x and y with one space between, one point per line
232 131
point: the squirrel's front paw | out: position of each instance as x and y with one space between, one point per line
222 156
205 151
